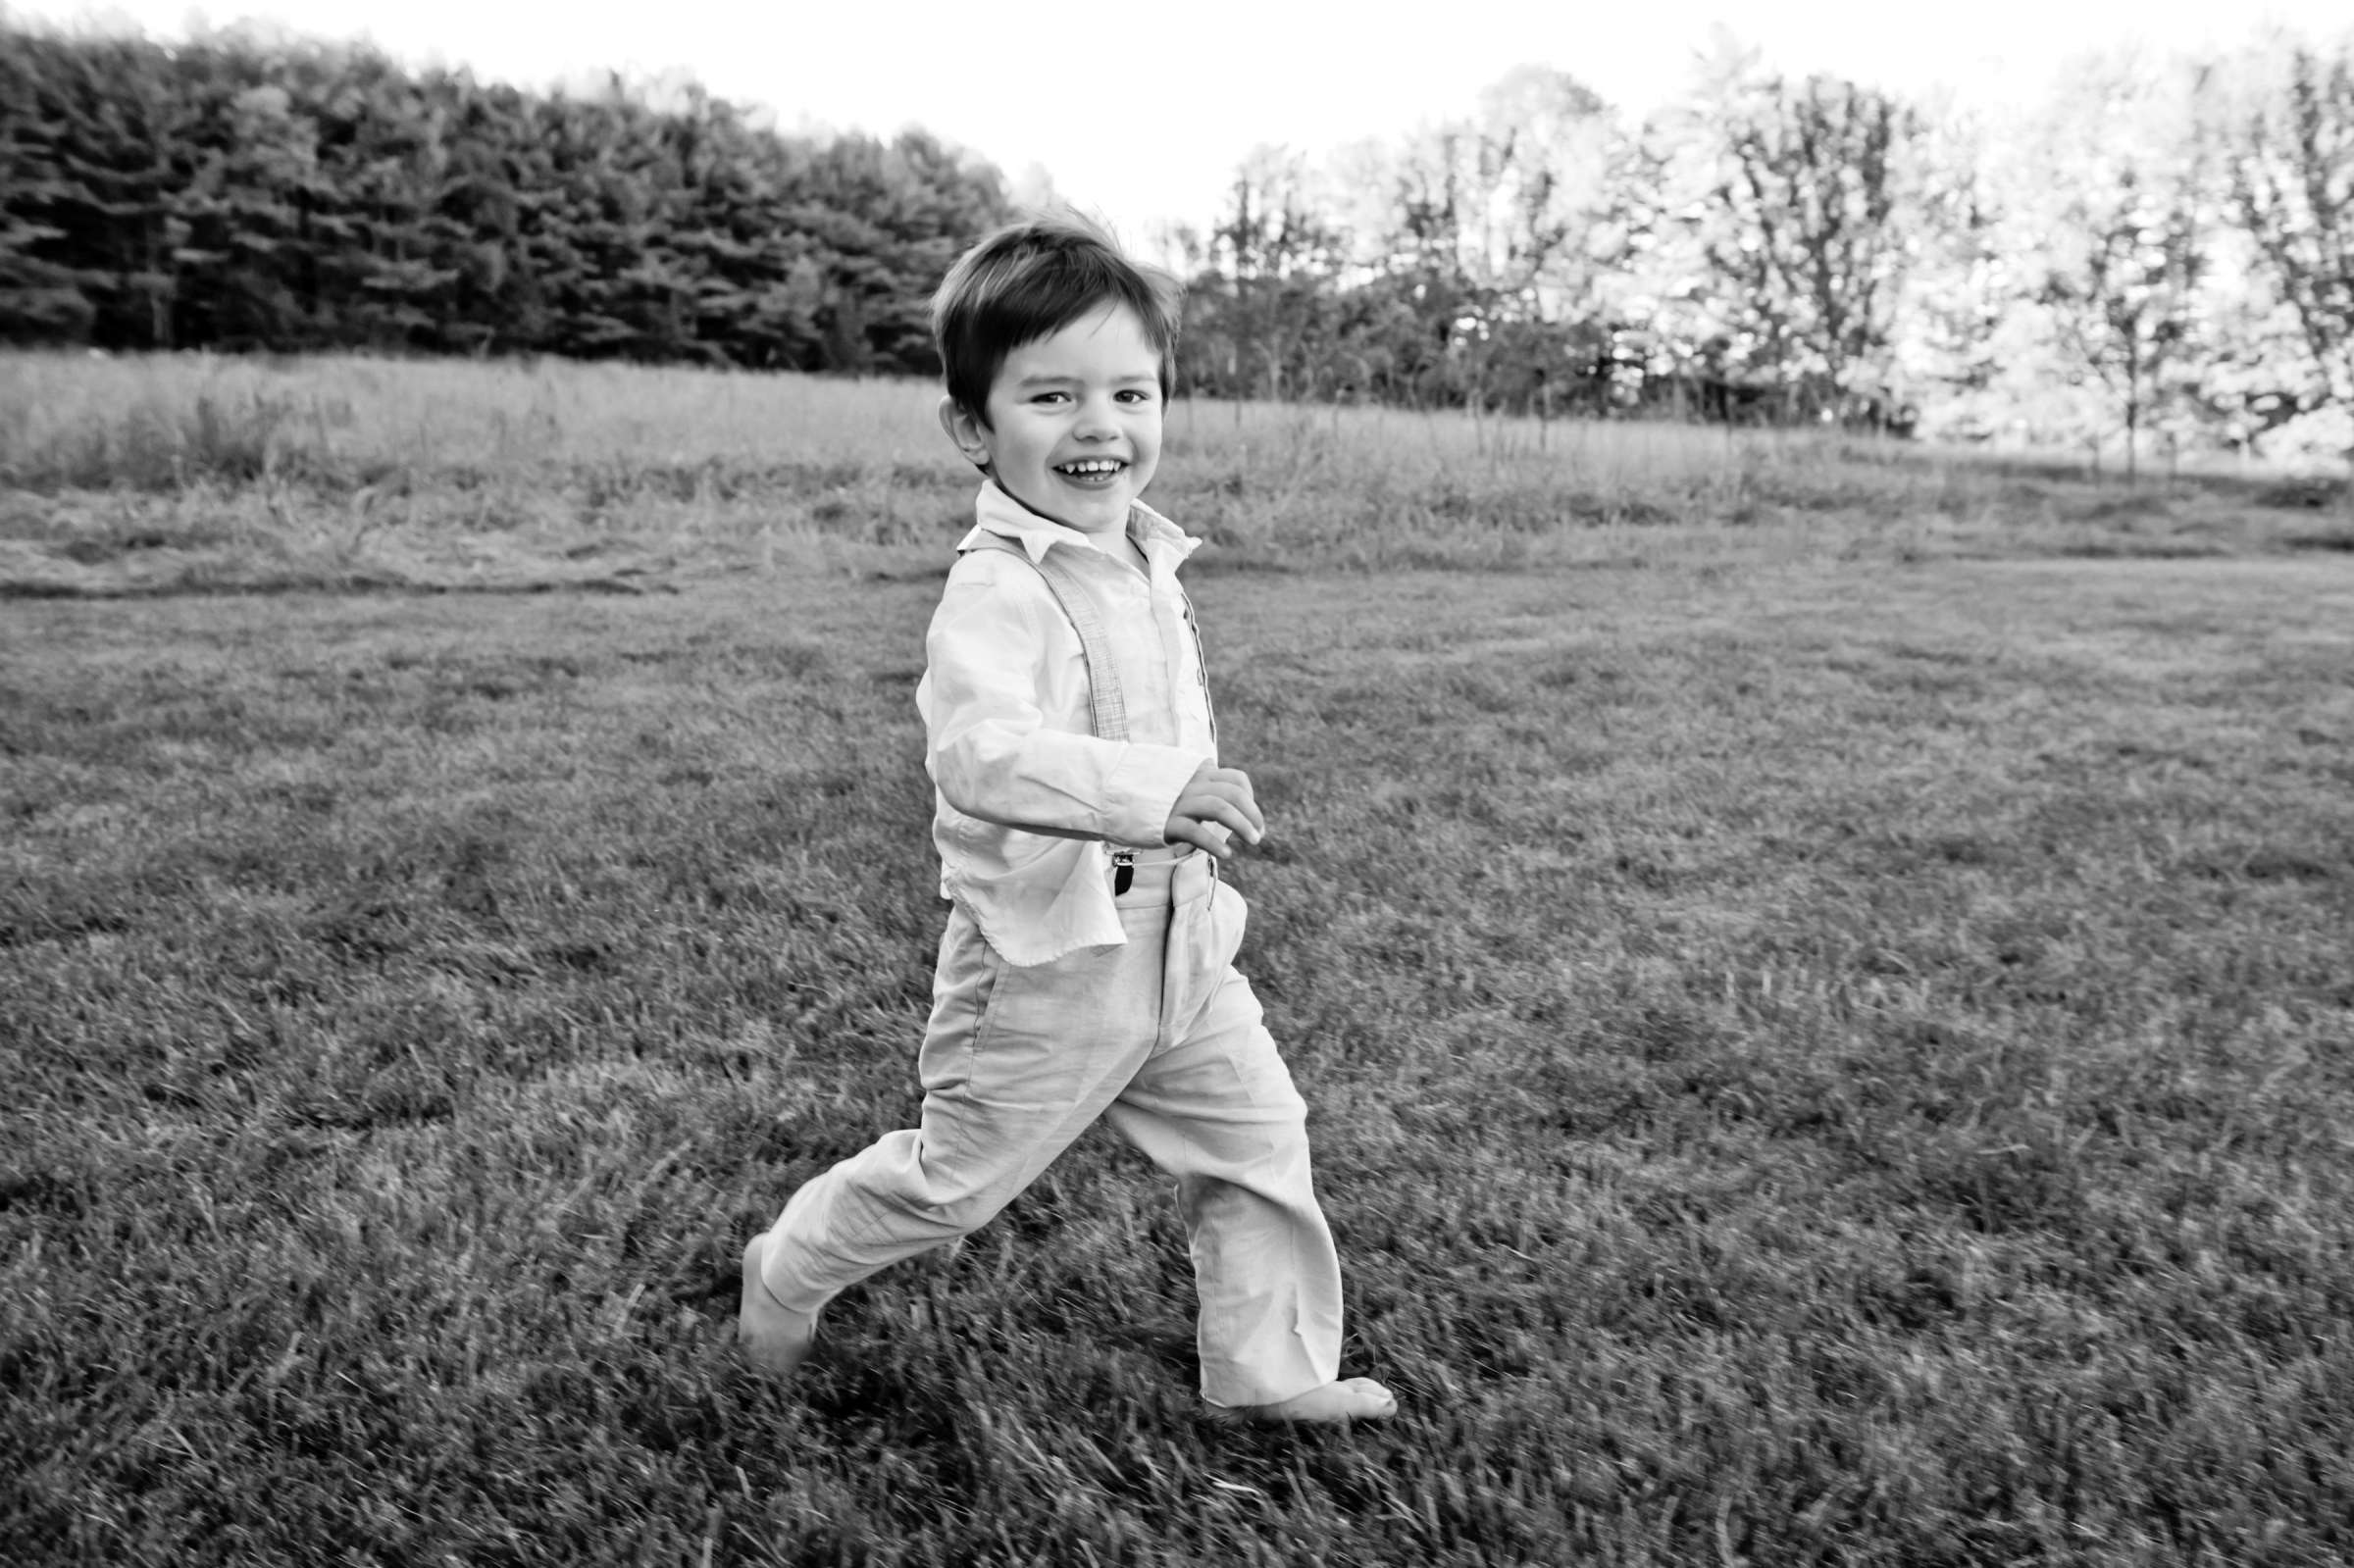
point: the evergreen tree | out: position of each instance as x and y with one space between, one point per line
251 191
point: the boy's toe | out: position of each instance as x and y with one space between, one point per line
773 1339
1349 1399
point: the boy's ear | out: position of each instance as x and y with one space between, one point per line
964 429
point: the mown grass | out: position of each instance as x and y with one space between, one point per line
1817 1056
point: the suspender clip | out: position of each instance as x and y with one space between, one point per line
1124 871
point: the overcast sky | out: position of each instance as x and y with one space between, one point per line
1141 112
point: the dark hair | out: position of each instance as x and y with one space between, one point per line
1032 278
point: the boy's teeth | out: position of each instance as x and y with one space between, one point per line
1097 464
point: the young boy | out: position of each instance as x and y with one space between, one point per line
1087 967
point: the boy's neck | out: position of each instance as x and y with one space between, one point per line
1127 547
1126 550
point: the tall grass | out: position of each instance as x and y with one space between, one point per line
147 421
191 471
351 419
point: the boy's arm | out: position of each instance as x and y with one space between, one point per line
991 750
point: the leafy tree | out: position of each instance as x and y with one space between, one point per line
2291 157
1967 272
1539 156
1259 319
1810 204
1452 266
2122 229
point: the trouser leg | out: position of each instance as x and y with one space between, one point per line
1015 1063
1215 1107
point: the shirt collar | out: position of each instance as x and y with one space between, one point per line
996 512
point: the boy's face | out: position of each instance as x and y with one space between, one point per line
1073 428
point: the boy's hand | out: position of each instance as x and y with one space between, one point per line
1214 803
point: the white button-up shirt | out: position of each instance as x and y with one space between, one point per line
1028 799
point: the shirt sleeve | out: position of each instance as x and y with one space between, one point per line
993 750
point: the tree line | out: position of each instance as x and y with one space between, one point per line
246 192
2161 247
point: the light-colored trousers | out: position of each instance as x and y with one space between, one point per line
1162 1038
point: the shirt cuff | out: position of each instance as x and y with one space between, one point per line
1143 789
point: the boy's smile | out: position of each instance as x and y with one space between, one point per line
1073 427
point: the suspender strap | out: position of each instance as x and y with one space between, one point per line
1109 708
1103 684
1201 668
1105 699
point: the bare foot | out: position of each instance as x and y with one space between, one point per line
1349 1399
775 1338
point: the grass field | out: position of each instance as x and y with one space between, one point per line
1828 1042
